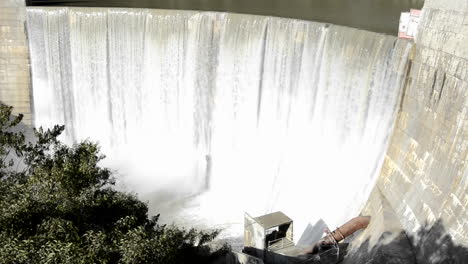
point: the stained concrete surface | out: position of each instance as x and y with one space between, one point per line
422 191
424 176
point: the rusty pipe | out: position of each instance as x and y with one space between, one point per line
341 233
350 227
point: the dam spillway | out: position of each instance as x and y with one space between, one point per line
247 113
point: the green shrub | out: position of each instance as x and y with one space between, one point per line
57 205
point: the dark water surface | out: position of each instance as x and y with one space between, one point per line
374 15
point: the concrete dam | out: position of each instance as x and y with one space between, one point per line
208 115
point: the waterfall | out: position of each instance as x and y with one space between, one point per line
224 113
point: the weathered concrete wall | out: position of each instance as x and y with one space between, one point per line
424 178
14 58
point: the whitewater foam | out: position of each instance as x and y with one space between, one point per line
222 113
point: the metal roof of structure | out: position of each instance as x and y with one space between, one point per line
273 219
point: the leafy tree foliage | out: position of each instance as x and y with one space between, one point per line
57 205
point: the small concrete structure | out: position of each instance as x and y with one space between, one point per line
409 22
271 232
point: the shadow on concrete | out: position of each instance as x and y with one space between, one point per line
429 245
333 255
